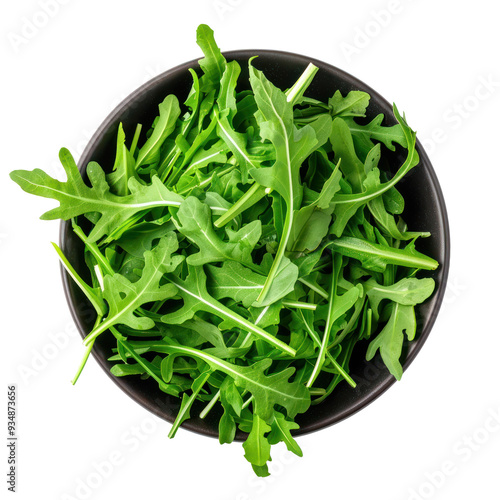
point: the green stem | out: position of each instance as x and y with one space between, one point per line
210 405
135 140
157 305
295 93
83 363
315 287
295 304
85 357
86 289
335 381
287 229
247 402
317 391
320 267
323 346
97 331
93 249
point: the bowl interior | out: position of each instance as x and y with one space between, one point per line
425 210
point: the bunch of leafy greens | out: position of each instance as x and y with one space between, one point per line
241 252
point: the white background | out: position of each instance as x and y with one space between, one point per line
62 78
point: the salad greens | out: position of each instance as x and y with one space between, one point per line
239 250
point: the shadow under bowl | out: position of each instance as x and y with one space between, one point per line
425 210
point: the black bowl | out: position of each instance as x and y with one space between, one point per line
425 210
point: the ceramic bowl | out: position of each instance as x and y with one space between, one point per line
425 210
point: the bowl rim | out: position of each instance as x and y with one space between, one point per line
438 296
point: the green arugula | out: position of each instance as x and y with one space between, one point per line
196 298
241 284
124 297
169 112
257 447
390 339
267 390
124 167
240 250
292 146
76 198
194 220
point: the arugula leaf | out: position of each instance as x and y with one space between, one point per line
267 390
214 63
376 257
227 110
343 147
257 447
123 370
203 157
237 143
171 151
353 104
390 339
194 220
346 205
363 135
230 396
312 222
169 112
305 319
226 99
407 291
140 237
187 402
410 162
235 281
268 315
292 146
387 223
232 403
280 431
124 167
76 198
252 196
196 298
227 428
124 297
